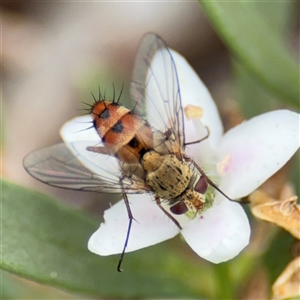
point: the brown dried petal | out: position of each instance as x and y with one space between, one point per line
287 284
285 214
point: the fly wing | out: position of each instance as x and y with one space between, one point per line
156 89
71 166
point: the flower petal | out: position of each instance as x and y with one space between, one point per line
202 153
256 149
220 233
79 129
149 227
162 88
193 91
78 135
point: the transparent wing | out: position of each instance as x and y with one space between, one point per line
156 89
71 166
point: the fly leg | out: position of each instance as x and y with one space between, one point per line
130 216
207 179
157 199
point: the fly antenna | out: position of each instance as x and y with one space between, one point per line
94 97
87 110
120 93
89 105
99 94
114 93
135 105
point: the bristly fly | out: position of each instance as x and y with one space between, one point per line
144 146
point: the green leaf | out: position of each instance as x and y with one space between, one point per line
14 287
253 98
257 44
46 242
281 245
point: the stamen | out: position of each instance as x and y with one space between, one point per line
193 111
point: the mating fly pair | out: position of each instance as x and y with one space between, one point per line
143 147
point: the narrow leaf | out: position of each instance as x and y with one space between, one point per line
46 242
258 46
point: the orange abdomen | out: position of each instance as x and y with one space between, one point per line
123 132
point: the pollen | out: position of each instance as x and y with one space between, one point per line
193 112
224 164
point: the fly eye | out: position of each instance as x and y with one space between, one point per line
201 185
179 208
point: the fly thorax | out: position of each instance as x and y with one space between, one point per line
151 161
166 174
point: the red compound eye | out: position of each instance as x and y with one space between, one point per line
201 185
179 208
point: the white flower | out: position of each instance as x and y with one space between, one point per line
238 161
